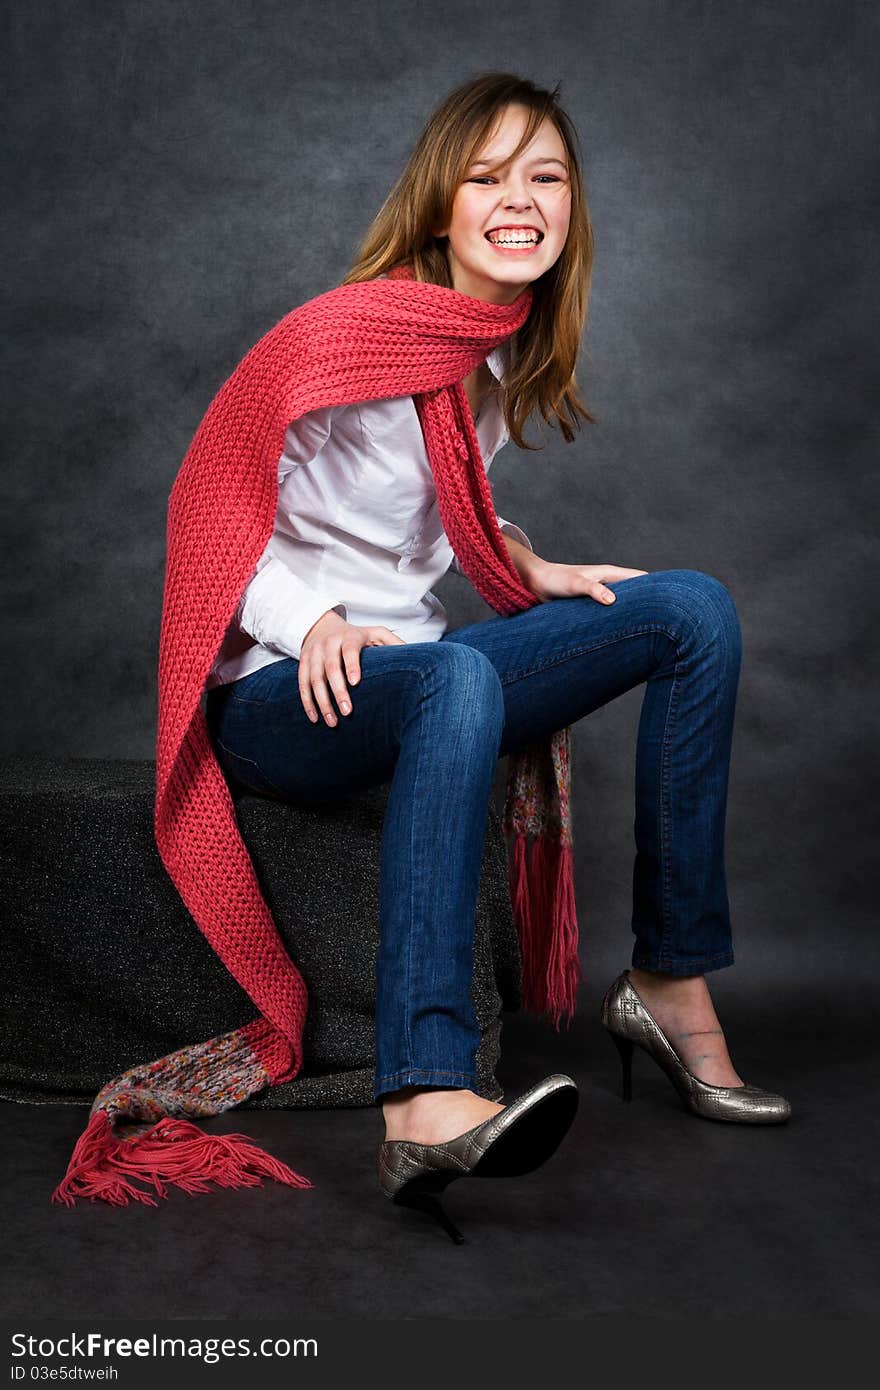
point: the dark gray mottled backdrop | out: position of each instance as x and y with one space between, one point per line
180 175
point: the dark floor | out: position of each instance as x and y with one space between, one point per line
644 1210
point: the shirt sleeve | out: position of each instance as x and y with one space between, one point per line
304 439
511 529
277 607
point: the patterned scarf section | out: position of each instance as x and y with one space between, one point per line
387 337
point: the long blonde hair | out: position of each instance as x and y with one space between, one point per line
542 374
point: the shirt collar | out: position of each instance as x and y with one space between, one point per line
492 421
497 362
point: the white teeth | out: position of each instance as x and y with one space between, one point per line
508 239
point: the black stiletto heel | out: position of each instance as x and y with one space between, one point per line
625 1048
429 1203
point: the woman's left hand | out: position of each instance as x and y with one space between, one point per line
550 580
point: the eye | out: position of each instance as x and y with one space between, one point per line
480 178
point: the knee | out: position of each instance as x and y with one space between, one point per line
708 606
471 681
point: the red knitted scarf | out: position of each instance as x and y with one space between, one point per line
386 337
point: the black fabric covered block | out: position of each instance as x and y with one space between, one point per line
104 967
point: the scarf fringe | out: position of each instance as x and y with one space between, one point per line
102 1166
542 888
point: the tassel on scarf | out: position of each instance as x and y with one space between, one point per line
537 811
541 892
102 1165
140 1124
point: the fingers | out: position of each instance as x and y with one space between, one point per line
322 674
326 667
326 664
311 679
611 574
382 637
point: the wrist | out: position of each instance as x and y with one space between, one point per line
328 620
527 564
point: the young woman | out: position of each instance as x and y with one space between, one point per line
340 670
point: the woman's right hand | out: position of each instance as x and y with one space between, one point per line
329 644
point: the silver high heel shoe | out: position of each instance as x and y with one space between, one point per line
628 1021
516 1140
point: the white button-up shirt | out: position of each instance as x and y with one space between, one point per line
357 530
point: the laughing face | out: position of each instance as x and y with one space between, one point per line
507 228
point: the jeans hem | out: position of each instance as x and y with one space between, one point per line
698 966
418 1076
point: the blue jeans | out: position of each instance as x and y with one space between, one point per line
433 718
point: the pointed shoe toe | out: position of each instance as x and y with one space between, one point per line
742 1104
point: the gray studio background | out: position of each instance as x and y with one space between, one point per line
179 176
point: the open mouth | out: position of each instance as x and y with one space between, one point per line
512 242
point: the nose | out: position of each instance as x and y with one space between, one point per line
518 198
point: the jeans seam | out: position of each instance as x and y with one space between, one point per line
411 933
239 757
426 1071
664 963
261 670
666 831
590 647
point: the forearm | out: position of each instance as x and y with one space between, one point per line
526 563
